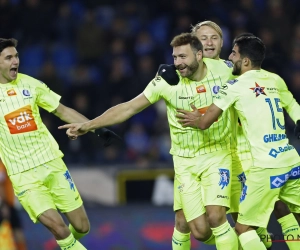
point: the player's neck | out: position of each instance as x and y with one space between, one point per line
200 73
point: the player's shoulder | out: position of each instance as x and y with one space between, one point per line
272 75
28 79
218 62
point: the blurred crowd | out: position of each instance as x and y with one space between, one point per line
98 53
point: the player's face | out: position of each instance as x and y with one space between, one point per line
185 60
236 59
9 64
211 41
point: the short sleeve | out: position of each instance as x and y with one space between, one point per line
46 98
155 89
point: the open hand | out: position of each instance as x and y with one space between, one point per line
189 118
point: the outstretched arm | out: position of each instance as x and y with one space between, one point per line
68 115
112 116
196 120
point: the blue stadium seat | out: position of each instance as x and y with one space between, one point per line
32 59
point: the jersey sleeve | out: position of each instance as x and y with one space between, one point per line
155 89
288 101
227 95
46 98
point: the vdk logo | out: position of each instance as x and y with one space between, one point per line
21 120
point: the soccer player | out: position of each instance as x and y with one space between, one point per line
202 160
8 199
211 37
258 95
32 158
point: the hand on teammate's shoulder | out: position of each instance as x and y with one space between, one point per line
168 73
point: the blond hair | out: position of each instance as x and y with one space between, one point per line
211 24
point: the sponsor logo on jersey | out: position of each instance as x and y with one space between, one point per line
158 78
258 90
278 181
272 90
11 92
224 177
21 120
222 92
186 97
275 152
180 188
274 137
201 89
232 81
224 86
203 110
295 173
223 196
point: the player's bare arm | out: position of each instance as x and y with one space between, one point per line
112 116
68 115
195 120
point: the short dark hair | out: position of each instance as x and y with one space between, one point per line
4 43
253 48
241 35
187 38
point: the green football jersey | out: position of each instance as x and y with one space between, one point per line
190 142
258 97
25 141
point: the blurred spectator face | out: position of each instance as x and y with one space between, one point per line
185 60
9 63
211 40
236 59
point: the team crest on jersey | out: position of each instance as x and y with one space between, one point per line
26 92
224 177
201 89
216 89
11 92
232 81
228 63
258 90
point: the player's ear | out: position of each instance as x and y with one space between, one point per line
199 55
246 61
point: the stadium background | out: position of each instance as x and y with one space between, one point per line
99 53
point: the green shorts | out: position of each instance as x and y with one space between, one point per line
237 182
263 187
201 181
47 186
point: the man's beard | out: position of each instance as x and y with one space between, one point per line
237 68
190 69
